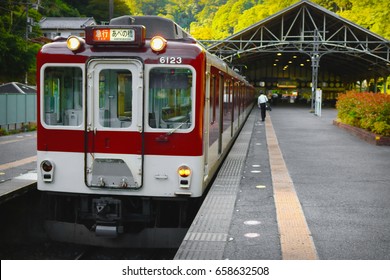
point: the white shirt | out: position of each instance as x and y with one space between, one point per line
262 99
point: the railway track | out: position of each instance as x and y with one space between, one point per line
99 253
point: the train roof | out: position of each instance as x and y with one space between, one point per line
154 25
144 27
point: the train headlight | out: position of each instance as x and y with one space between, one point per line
74 43
158 43
47 171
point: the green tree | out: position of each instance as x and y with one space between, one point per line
79 5
222 24
227 16
100 9
152 7
251 16
135 7
202 28
183 13
57 8
373 16
208 9
17 55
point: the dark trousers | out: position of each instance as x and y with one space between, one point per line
262 109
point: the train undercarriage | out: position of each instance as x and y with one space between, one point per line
134 222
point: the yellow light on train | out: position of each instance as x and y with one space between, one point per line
74 43
158 43
184 171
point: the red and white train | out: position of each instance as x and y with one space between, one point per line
133 122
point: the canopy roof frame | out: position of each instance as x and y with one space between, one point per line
297 29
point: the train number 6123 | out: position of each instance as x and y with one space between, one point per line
171 60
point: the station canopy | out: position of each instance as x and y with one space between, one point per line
305 44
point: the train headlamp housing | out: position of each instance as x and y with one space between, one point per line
47 171
74 43
158 44
184 171
185 174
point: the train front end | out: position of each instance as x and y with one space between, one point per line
120 130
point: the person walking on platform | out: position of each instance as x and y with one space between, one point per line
262 104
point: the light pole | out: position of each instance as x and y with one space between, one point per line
111 9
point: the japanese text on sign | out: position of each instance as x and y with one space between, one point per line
113 35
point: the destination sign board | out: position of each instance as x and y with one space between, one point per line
106 35
113 35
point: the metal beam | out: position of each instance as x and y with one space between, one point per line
305 28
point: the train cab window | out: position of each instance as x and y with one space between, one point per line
63 96
170 98
115 98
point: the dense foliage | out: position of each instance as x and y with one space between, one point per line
370 111
204 19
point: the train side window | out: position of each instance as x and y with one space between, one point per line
227 103
170 98
63 96
212 99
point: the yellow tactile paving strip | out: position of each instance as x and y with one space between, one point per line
295 236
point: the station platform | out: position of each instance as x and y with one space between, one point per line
17 186
295 187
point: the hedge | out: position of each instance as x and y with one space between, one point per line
367 110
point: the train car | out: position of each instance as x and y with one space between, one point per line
134 120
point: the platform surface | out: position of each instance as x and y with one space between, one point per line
295 187
17 186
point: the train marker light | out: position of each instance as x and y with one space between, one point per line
184 171
47 166
74 43
158 43
47 170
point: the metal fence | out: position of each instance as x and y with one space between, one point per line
17 109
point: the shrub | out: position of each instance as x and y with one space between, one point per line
370 111
3 132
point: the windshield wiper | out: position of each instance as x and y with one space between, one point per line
177 127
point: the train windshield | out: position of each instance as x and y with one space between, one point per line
115 98
63 96
170 98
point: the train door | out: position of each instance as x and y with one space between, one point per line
114 129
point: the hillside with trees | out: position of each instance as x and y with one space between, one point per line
204 19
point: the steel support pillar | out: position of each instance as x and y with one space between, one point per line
315 64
